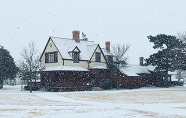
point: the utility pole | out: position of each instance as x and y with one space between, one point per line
31 75
117 66
30 81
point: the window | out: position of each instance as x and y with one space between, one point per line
142 76
92 78
51 57
76 57
101 77
50 77
56 76
98 57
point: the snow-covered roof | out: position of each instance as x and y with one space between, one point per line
173 75
98 67
65 68
134 70
106 52
91 49
65 45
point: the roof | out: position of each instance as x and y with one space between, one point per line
65 45
98 67
65 68
174 76
134 70
106 52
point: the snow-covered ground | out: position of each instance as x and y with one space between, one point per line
136 103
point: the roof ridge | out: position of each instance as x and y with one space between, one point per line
68 38
59 37
92 44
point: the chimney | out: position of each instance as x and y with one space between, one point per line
141 61
107 46
76 35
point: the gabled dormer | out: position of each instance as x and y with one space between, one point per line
75 54
98 55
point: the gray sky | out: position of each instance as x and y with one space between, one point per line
117 21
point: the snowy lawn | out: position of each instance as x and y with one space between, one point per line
123 103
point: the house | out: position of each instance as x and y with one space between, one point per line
72 64
135 76
79 64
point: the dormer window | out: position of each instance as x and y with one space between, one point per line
75 57
98 57
74 52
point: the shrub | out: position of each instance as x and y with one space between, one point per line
107 84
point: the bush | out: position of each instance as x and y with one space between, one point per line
107 84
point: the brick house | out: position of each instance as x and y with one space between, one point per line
79 64
135 76
72 64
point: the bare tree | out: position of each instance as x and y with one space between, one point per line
182 36
119 52
180 75
119 58
30 63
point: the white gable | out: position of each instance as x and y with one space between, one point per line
94 55
50 47
76 50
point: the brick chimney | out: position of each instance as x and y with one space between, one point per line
75 34
141 61
107 46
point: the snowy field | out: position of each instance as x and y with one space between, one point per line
135 103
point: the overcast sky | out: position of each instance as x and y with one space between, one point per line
117 21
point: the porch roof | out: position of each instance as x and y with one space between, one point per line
65 68
98 67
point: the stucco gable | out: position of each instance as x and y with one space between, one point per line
98 49
50 47
74 49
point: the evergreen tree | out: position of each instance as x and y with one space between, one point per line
168 57
8 69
